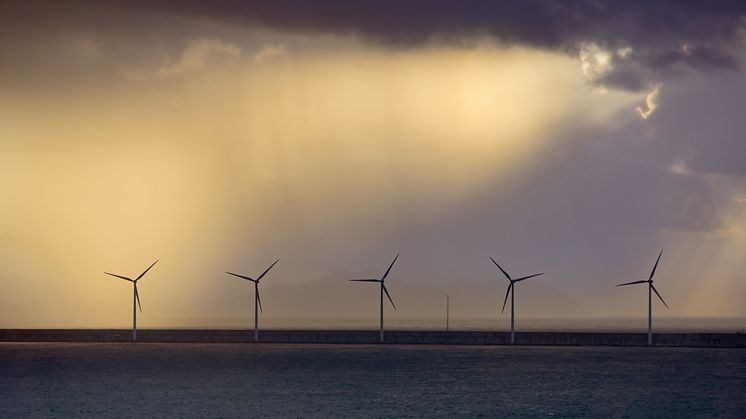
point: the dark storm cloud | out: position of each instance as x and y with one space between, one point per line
666 36
650 64
695 57
535 23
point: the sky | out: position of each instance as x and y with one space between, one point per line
574 138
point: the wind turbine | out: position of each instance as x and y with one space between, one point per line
511 293
382 281
135 298
257 299
651 290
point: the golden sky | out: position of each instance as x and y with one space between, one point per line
216 146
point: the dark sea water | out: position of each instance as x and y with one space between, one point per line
267 380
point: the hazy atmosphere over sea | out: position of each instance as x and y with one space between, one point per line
573 138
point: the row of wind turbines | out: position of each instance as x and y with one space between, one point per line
383 290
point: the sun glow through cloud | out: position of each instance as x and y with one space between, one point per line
214 144
316 132
651 103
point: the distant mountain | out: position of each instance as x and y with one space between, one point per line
334 297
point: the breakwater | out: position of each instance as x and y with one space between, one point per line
707 340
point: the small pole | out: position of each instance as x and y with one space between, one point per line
448 311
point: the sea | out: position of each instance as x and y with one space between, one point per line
243 380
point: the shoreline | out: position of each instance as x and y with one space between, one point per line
408 337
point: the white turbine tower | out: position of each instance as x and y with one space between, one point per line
511 293
651 290
382 281
135 297
257 299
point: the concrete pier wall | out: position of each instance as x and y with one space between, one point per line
705 340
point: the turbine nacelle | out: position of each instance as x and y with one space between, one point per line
382 281
512 281
256 282
649 281
134 282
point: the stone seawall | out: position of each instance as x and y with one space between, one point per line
704 340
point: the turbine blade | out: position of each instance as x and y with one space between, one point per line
633 282
659 296
241 276
527 277
365 280
506 296
265 272
387 294
119 276
259 300
137 297
146 271
656 265
501 269
390 266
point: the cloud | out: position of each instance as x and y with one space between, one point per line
595 61
624 51
197 54
651 102
269 52
646 42
654 31
614 69
680 168
693 57
377 106
702 124
83 46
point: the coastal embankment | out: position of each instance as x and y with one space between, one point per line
694 340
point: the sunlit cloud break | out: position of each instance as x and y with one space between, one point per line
595 61
651 103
